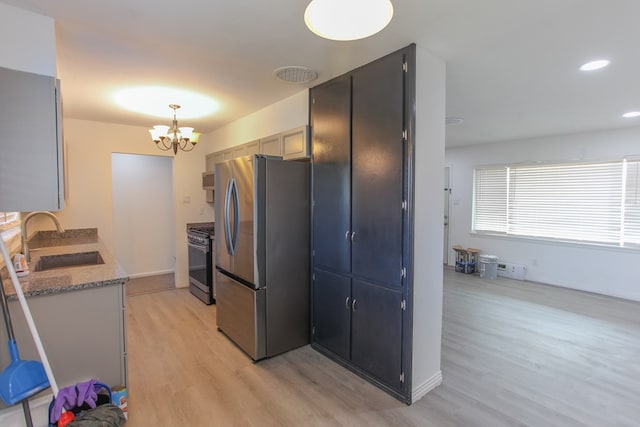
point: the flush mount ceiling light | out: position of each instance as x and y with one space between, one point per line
594 65
347 19
152 100
631 114
167 138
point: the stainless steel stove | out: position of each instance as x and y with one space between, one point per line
201 277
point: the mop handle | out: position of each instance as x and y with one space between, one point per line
30 322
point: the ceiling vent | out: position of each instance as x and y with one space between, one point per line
295 74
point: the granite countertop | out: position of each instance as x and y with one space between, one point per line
54 281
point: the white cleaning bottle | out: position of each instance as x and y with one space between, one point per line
20 264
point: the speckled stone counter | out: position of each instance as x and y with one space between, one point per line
59 280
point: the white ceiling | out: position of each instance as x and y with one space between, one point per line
512 66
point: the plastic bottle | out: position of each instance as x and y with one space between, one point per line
20 264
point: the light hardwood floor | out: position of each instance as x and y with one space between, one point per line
514 354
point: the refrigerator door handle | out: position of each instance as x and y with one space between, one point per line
227 228
236 216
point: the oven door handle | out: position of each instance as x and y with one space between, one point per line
198 247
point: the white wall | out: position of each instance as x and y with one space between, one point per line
609 271
28 41
429 181
143 218
89 149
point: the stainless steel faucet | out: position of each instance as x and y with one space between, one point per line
23 235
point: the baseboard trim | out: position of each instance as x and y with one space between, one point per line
153 273
424 388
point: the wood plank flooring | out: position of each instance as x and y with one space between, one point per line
514 354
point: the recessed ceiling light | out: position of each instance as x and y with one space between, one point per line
631 114
347 19
595 65
153 100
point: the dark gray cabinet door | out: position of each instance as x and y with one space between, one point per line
332 312
377 169
376 339
331 152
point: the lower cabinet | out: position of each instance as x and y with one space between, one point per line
332 313
376 332
360 323
83 332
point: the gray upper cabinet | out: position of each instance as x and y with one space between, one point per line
31 165
271 146
211 160
290 145
295 143
247 149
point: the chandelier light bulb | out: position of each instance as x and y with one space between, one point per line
345 20
172 137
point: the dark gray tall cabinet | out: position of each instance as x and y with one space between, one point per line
362 227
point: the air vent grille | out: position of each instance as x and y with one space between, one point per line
295 74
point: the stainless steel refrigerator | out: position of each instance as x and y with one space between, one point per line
262 253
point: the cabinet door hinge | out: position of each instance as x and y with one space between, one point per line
402 377
405 67
404 135
403 272
313 330
313 277
313 100
313 253
403 305
404 205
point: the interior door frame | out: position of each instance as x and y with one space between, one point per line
448 181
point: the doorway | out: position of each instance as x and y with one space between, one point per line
143 214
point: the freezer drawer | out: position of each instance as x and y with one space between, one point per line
240 314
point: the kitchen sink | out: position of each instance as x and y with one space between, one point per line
79 259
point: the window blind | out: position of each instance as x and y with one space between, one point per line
490 199
589 202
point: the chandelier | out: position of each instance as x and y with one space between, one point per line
173 137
